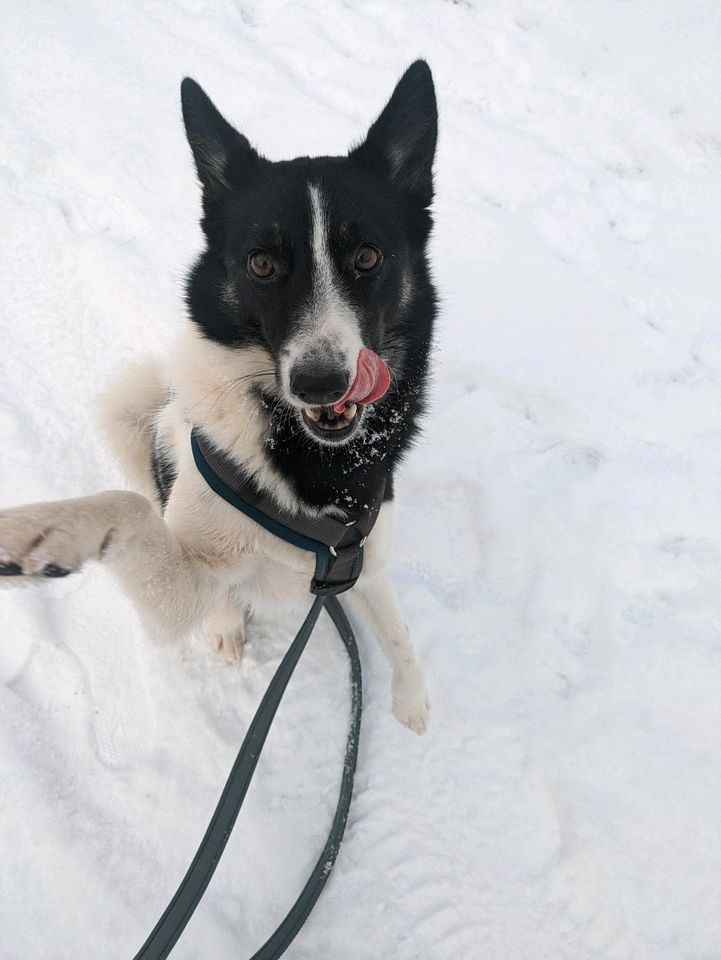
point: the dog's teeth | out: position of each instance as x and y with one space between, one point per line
350 411
313 413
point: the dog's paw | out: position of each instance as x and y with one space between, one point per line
226 629
50 540
230 644
411 705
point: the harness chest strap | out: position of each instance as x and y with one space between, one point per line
338 546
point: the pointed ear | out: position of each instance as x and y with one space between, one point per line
219 151
402 142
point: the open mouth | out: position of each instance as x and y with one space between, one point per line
325 423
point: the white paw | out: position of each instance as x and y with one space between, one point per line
230 644
55 539
37 541
411 704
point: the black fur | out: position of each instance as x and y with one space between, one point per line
165 473
379 194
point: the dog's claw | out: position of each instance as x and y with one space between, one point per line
54 570
10 570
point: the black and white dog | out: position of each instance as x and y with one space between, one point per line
304 359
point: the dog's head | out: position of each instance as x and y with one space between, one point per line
316 260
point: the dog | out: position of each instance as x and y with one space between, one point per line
304 357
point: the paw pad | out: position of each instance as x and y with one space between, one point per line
53 570
10 570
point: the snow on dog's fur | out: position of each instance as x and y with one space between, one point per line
307 262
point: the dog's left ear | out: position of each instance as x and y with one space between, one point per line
402 142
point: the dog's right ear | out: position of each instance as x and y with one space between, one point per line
221 154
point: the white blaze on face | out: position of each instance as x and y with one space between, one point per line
328 331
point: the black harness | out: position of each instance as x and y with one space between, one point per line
338 548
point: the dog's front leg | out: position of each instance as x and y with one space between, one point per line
376 602
171 590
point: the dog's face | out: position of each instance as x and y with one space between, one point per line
313 260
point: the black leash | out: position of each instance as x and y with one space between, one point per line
338 548
180 909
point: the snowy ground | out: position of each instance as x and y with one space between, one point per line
558 552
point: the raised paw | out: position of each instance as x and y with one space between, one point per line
52 540
411 705
36 543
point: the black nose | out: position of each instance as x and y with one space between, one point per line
318 387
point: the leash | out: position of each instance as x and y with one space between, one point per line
187 897
338 547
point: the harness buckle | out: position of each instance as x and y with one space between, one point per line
341 573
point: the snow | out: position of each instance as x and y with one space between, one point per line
557 556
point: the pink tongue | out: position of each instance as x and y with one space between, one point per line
372 379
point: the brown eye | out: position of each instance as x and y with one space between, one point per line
367 259
261 265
